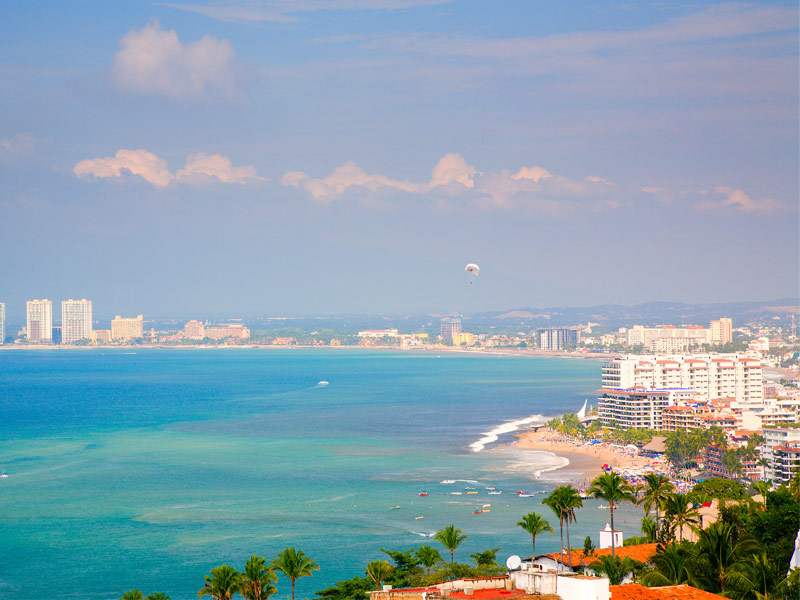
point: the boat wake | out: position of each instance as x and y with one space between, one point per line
492 436
427 535
449 481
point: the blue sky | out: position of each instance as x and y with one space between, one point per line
268 158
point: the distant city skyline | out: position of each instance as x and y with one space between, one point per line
273 158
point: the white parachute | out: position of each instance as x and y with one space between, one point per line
472 269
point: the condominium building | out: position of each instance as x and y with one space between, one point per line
450 327
220 332
194 330
713 375
39 325
678 339
101 336
2 322
556 339
638 408
76 320
781 450
123 329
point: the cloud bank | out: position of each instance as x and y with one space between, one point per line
155 62
200 168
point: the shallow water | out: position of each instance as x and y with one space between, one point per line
146 470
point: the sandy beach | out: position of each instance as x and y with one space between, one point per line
586 462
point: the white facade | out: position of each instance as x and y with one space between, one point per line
76 320
126 328
774 438
39 326
637 408
736 376
605 537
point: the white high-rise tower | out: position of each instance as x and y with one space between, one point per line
40 321
76 320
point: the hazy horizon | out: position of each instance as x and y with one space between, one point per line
351 157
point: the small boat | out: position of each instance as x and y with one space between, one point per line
423 493
491 488
495 493
393 507
524 495
483 510
323 383
418 518
3 474
456 493
448 481
602 507
469 488
486 505
473 492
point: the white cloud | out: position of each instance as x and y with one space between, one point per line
22 143
349 175
200 168
530 189
145 164
737 199
152 61
281 10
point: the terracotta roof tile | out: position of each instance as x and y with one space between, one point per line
634 591
641 553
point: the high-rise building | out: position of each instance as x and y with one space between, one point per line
126 328
194 330
722 331
76 320
557 338
450 327
40 321
2 323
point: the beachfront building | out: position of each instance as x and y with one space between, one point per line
101 336
126 329
736 376
220 332
39 327
376 334
450 327
76 321
678 339
556 339
194 330
638 408
778 451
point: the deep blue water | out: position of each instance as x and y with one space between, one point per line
147 469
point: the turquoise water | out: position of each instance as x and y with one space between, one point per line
147 469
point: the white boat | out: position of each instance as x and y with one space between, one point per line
456 493
3 474
323 383
495 493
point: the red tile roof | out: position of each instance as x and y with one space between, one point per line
641 553
634 591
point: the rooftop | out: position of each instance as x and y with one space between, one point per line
634 591
641 553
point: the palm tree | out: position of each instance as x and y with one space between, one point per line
752 575
451 538
763 463
428 556
718 437
222 584
716 551
672 566
157 596
378 571
655 489
534 524
294 564
258 580
680 512
732 463
563 501
614 568
762 487
132 595
613 488
649 529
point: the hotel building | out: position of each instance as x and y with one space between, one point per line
781 450
194 330
638 408
76 320
450 327
712 375
677 339
220 332
39 325
556 339
125 329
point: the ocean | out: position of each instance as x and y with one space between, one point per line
146 468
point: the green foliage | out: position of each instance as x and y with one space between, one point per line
717 552
723 489
349 589
614 568
486 560
258 580
157 596
378 571
776 527
615 489
428 556
451 538
294 564
564 501
534 524
132 595
671 566
223 583
588 546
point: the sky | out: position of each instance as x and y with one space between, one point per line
277 157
